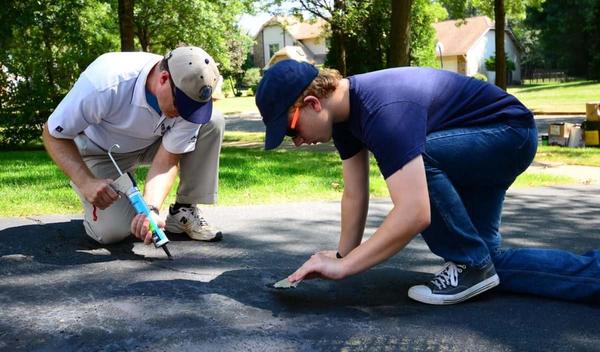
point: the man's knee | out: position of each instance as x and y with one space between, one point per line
110 225
105 233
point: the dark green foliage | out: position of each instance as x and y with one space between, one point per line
368 42
490 63
45 45
569 36
251 78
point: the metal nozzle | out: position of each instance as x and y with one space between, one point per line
113 160
164 247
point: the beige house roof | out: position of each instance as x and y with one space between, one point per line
458 36
298 30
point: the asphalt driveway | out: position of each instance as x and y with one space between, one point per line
60 291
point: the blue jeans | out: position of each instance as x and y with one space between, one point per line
468 172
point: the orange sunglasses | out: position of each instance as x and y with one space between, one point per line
291 131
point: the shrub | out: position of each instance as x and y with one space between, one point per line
251 78
490 63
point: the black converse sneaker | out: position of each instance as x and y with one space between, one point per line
455 283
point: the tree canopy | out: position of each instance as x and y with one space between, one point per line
363 26
46 45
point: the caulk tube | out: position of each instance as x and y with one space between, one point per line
158 236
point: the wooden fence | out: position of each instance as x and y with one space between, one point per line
541 76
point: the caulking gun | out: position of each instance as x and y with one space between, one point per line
125 184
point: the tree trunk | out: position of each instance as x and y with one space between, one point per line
342 51
144 38
500 53
126 25
339 6
400 34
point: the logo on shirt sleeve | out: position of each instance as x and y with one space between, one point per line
59 129
164 129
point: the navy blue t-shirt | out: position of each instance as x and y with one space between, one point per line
393 110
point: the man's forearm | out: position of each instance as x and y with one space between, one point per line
161 177
398 228
65 154
354 217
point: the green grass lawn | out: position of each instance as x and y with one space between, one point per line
557 97
237 105
30 184
569 156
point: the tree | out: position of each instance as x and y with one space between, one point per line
338 14
499 15
366 29
126 25
400 33
567 36
210 24
45 46
238 54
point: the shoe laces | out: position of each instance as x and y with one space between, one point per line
448 276
198 217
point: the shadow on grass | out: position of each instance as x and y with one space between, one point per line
543 87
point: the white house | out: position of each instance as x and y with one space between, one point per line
465 44
280 32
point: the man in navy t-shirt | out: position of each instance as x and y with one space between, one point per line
448 146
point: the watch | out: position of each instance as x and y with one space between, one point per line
154 209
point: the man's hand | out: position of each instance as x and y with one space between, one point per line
140 227
320 265
99 192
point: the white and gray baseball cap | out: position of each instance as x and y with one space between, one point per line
194 74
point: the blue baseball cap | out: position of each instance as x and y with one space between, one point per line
277 91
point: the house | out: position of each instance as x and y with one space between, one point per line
280 32
465 44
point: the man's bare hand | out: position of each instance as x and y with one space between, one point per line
99 192
140 227
321 265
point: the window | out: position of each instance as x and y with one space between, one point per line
273 48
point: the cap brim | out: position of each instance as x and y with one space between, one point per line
275 131
192 110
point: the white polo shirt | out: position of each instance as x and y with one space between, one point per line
108 104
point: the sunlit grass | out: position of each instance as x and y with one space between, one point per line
557 97
31 184
236 105
569 156
529 179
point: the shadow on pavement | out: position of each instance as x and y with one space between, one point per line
83 296
63 243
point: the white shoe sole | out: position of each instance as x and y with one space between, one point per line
483 286
175 229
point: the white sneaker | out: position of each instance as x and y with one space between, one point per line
190 221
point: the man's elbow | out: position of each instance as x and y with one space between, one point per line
423 219
45 133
